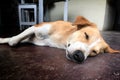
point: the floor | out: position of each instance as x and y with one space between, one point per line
30 62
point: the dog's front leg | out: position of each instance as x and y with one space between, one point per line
12 41
22 36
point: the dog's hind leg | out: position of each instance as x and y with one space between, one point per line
12 41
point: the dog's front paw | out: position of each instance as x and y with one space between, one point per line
13 41
4 40
1 40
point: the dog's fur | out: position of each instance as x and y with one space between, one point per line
80 39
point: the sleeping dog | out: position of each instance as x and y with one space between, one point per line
80 39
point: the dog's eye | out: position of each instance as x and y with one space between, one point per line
86 36
68 45
95 52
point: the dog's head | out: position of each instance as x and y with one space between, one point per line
86 41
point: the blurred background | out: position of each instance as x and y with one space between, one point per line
105 13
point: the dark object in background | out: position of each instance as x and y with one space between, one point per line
9 25
9 21
114 11
117 15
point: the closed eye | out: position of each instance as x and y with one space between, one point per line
95 52
86 36
68 44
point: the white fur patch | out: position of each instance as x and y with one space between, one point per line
44 29
42 32
77 46
94 43
90 47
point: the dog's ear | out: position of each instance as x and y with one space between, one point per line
81 22
108 49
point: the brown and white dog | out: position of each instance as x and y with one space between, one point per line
80 39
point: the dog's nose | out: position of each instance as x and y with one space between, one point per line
78 56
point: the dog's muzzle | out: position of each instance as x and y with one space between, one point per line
77 56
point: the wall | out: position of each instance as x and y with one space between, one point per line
94 10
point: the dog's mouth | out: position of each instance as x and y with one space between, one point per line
68 56
76 56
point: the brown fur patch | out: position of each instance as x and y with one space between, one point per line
81 22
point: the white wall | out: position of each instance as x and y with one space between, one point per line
94 10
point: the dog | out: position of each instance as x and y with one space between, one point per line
80 39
